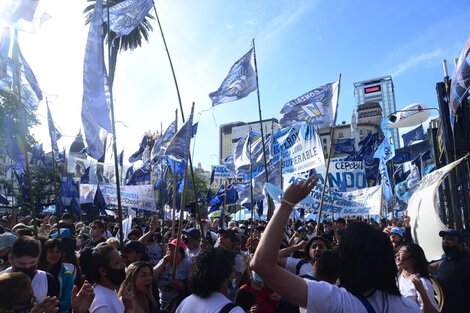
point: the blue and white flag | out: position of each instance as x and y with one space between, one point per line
178 148
385 152
412 136
248 153
163 141
95 106
125 16
53 132
239 83
138 154
316 107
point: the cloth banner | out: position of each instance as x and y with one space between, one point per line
221 172
343 175
423 212
300 148
364 201
141 196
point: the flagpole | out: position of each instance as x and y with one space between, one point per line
113 125
222 218
270 208
23 129
330 152
54 166
180 222
173 211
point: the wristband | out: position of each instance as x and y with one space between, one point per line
290 204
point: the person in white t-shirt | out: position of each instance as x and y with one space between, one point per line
104 267
212 275
367 267
413 279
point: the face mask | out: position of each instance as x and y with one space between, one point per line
116 275
233 286
29 271
257 278
450 250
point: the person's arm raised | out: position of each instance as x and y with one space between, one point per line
264 262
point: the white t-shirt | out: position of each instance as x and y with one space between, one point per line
324 297
106 301
408 290
291 266
212 304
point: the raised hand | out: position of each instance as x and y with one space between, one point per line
299 190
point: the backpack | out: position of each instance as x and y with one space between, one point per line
228 307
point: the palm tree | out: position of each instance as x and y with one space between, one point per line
128 42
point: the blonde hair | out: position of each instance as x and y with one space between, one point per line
129 285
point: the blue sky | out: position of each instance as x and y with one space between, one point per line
300 45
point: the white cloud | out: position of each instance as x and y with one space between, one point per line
418 60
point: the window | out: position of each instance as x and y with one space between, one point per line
340 135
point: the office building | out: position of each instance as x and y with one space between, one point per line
378 90
230 133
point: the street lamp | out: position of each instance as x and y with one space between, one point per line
419 108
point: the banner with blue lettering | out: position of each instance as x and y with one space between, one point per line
221 172
364 201
300 148
343 175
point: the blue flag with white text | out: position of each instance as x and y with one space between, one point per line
95 106
239 83
346 147
125 16
316 107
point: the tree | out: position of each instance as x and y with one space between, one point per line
22 117
128 42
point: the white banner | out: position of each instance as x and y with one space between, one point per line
343 175
140 197
364 201
423 212
300 148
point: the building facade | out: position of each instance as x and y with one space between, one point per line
229 134
369 118
379 90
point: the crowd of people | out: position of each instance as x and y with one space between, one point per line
286 265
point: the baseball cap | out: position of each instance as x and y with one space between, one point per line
193 233
396 231
230 233
6 240
182 244
450 233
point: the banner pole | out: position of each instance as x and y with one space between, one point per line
270 207
330 152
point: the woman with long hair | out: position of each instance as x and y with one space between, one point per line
51 261
138 283
367 267
413 277
105 269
